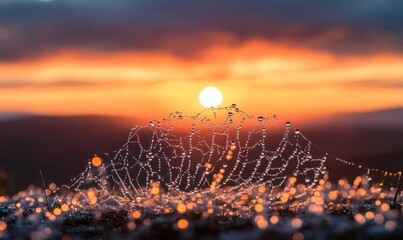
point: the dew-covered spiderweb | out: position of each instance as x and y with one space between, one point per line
222 150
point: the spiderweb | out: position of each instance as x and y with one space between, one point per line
219 147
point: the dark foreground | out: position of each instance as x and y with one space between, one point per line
341 211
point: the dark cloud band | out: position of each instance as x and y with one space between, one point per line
184 28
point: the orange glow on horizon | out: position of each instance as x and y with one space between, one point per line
260 77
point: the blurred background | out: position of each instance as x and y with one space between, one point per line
75 76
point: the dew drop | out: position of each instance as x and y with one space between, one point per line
297 131
180 117
307 180
151 123
230 114
236 109
233 105
288 124
260 118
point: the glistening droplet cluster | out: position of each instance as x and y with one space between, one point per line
222 149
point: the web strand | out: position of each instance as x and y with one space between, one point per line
218 148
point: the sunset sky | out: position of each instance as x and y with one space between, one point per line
298 59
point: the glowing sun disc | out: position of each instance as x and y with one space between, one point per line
210 97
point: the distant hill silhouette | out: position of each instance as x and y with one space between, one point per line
374 139
61 145
7 116
386 117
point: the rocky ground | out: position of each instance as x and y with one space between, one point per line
338 211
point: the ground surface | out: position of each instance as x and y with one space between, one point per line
321 214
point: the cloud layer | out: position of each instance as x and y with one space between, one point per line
295 58
186 28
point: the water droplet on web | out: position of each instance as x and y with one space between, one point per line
297 131
178 145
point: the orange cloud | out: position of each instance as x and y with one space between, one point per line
260 76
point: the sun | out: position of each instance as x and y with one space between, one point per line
210 97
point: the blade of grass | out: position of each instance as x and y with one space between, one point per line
44 190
